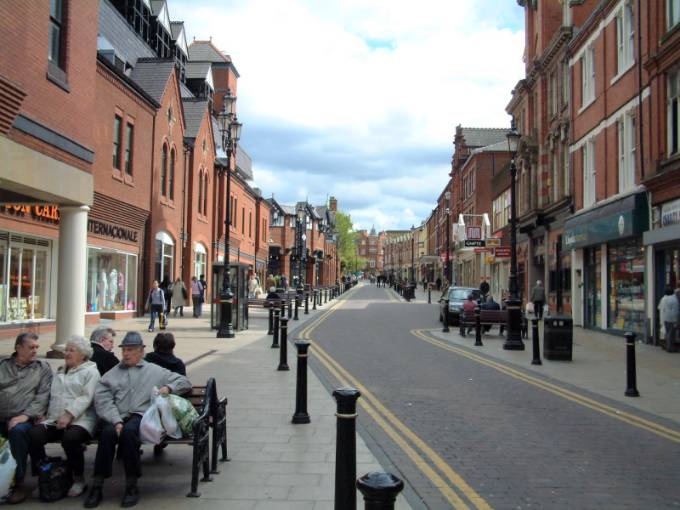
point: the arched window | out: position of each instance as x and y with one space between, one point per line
164 257
205 193
164 170
200 257
171 175
200 192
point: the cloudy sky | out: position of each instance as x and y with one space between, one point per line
359 99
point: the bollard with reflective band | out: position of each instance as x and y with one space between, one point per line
536 348
297 306
346 449
275 337
306 303
478 327
380 490
445 329
631 376
283 358
301 415
270 331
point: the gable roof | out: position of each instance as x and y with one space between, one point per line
194 111
205 51
152 75
200 71
178 34
481 137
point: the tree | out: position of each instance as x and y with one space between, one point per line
346 240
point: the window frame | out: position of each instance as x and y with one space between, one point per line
589 177
171 176
200 192
672 11
626 152
128 163
625 38
57 20
117 141
164 170
673 112
588 76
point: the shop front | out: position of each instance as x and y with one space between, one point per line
609 238
663 241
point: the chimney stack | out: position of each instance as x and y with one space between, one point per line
333 204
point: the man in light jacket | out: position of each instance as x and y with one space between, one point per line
24 392
538 298
121 398
669 313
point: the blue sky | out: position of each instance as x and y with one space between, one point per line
359 99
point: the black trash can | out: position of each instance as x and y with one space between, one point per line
558 337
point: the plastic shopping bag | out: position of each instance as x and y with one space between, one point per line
529 308
7 467
184 412
151 427
168 420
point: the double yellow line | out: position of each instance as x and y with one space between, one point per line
452 486
631 419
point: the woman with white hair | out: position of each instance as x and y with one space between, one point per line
71 417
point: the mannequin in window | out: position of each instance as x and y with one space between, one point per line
120 298
113 288
102 290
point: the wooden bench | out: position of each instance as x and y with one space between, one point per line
488 318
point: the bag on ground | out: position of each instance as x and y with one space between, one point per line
151 428
184 412
162 320
7 467
54 479
168 419
529 308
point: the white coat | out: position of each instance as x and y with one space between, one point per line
73 391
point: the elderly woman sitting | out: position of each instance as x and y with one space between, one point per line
71 417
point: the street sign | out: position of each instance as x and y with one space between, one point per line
474 233
483 250
503 251
470 243
493 241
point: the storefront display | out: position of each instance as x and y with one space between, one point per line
24 278
593 290
626 287
111 280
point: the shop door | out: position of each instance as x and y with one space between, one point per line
593 291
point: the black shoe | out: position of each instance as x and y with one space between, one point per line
131 496
94 497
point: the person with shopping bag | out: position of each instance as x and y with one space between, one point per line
121 398
24 392
155 303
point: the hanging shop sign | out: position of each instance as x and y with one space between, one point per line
469 243
474 232
670 213
503 251
493 241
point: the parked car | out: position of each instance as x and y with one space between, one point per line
457 296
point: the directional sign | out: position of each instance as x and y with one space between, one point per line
469 243
503 251
474 233
483 250
493 241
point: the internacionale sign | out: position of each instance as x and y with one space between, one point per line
113 231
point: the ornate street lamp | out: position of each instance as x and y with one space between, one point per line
230 129
413 262
301 242
513 341
449 278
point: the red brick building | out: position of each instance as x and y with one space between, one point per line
370 247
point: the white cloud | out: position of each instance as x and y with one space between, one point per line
363 80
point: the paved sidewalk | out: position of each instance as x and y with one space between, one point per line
274 464
598 366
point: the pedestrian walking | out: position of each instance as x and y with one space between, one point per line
284 282
439 283
155 303
204 289
669 314
196 296
179 297
166 287
538 299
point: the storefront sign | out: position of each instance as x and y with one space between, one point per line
474 232
483 250
670 213
474 244
503 251
493 241
112 231
49 213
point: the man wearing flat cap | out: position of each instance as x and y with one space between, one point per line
122 396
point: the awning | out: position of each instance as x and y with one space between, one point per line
620 219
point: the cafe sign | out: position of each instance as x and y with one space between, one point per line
670 213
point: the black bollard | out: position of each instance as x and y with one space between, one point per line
429 296
290 308
445 329
478 327
297 306
314 292
380 490
306 303
346 449
275 338
283 308
270 331
631 384
301 415
283 355
325 295
536 348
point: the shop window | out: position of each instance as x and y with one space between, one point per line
117 125
164 258
626 287
593 290
111 280
200 257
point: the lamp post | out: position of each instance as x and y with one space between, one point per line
301 219
449 278
230 129
413 260
513 341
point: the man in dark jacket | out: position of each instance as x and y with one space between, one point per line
162 355
101 340
25 383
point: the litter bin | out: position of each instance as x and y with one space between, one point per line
558 337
